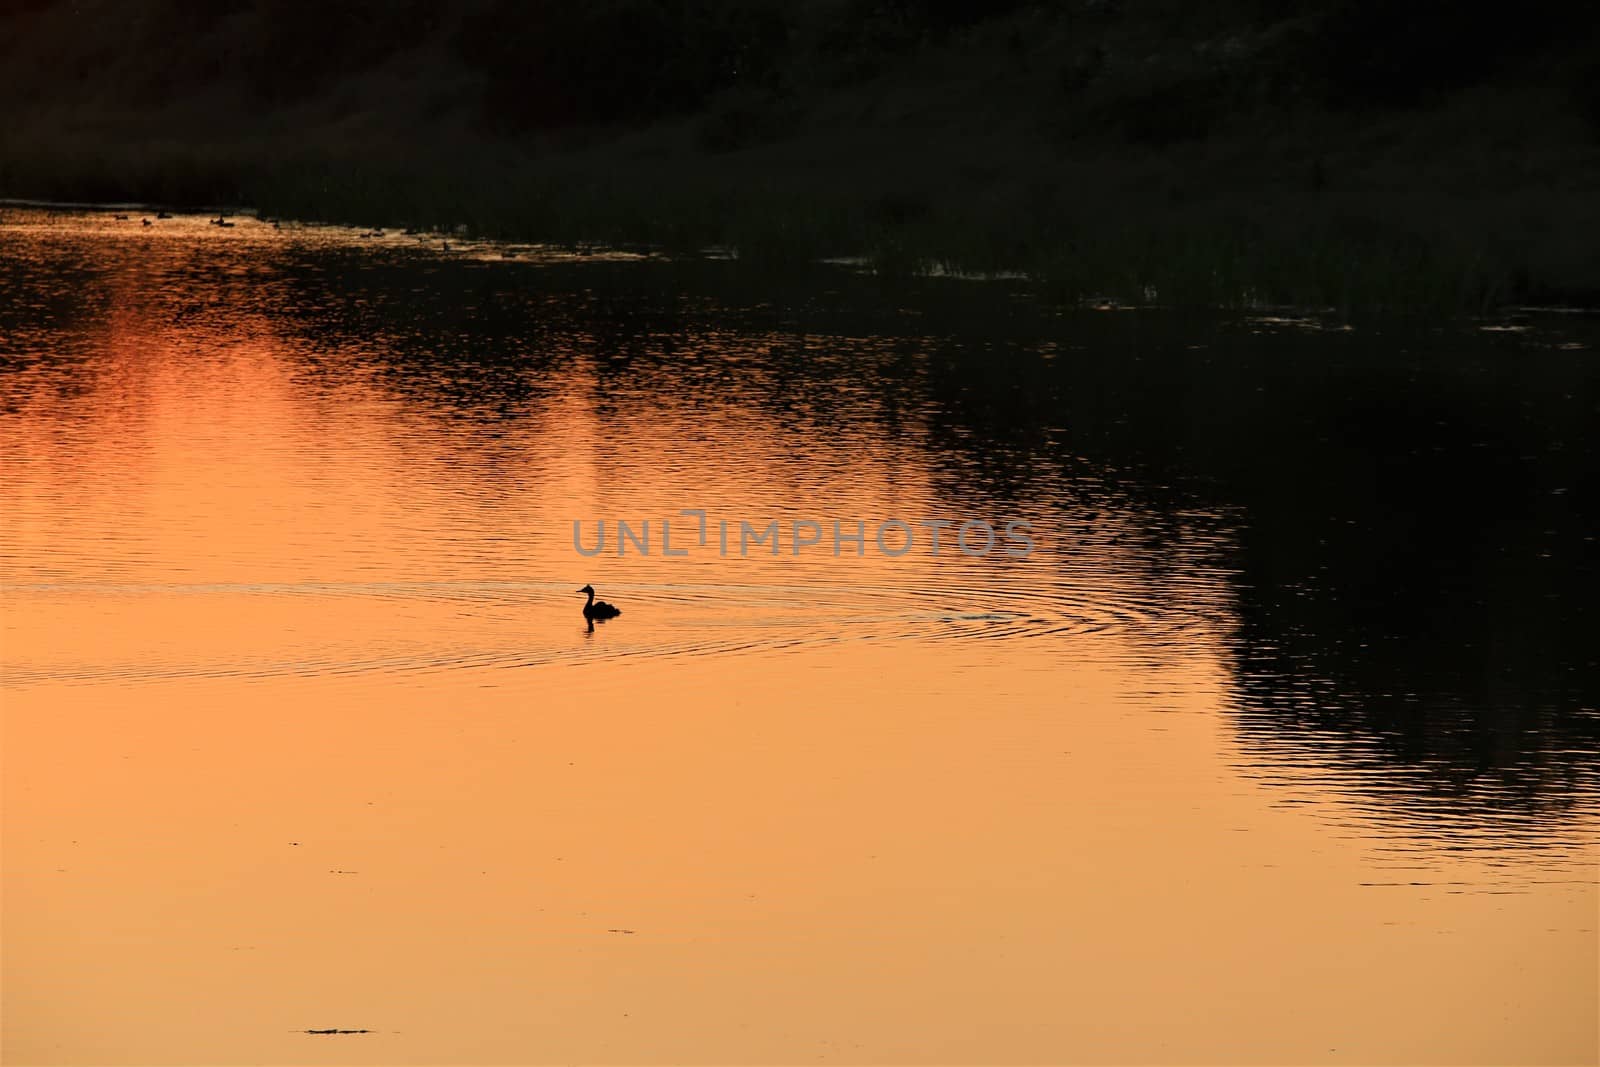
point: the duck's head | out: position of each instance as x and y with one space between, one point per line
587 589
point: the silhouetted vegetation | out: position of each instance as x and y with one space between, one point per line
303 45
550 63
545 63
1374 54
1336 151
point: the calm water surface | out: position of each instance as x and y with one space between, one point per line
1280 748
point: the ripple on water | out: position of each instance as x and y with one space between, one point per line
474 625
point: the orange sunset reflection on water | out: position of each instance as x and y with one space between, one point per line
304 729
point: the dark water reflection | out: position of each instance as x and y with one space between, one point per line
1385 533
1409 512
1415 508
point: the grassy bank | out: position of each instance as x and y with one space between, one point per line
1138 160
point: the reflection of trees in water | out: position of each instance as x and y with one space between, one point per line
475 340
1410 570
1431 574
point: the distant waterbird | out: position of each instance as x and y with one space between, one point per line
598 609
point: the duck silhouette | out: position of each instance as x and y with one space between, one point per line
598 609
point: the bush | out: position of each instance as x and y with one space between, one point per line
743 119
1374 53
552 63
304 44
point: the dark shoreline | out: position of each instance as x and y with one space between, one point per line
1220 263
1309 153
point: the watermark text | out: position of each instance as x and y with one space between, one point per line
693 531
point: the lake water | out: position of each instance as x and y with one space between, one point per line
1280 746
